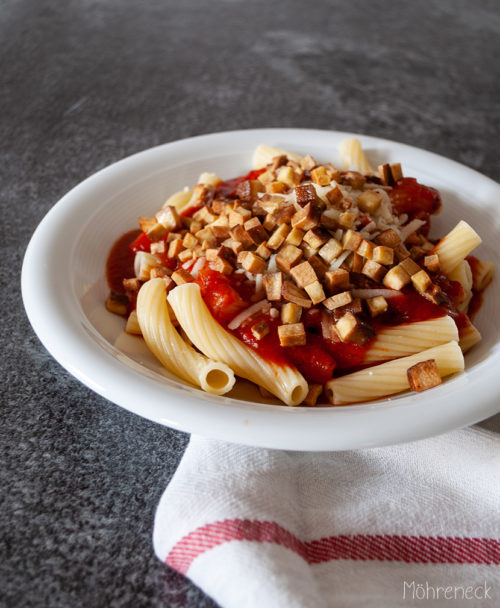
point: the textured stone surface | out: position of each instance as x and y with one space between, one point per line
84 83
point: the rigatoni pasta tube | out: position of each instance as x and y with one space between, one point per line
213 340
469 335
353 156
410 338
263 155
389 378
170 349
483 274
455 246
179 200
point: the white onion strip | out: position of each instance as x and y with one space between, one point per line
405 231
262 306
364 294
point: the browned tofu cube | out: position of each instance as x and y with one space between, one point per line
272 284
351 240
369 201
117 303
410 266
221 265
355 262
315 292
292 334
377 305
158 247
185 255
330 250
318 265
238 233
385 174
316 237
295 237
373 270
347 326
337 279
189 241
389 238
401 252
247 190
424 375
288 257
306 218
182 276
334 195
338 300
269 222
255 230
396 278
383 255
320 176
259 330
284 214
306 193
276 188
396 171
354 179
421 281
303 274
263 251
278 236
288 176
366 249
432 262
152 227
291 293
251 262
291 312
347 219
328 330
169 218
307 163
278 161
175 248
313 393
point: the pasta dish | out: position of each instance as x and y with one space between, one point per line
317 283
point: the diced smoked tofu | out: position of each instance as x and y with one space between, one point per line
189 241
269 222
347 326
396 278
389 238
313 393
251 262
385 174
346 219
369 201
238 233
266 178
182 276
334 195
329 219
373 270
401 252
315 292
277 162
132 285
307 163
306 193
169 218
292 334
316 237
152 227
410 266
255 230
247 190
295 237
276 188
288 176
421 281
284 214
336 279
330 250
175 248
354 262
320 176
307 250
303 274
366 249
259 330
354 179
278 236
117 303
396 171
143 263
272 284
423 375
376 305
338 300
184 255
352 240
318 265
333 173
291 312
328 330
288 257
432 262
292 293
221 265
306 218
383 255
158 247
263 251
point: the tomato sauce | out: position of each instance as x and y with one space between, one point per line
227 189
120 262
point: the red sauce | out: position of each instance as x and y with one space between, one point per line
227 189
408 196
120 262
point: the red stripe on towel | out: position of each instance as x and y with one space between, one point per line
377 547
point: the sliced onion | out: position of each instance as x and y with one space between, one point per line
405 231
337 262
258 307
364 294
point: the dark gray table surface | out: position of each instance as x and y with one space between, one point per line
84 83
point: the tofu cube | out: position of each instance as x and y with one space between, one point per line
295 237
251 262
336 279
396 278
247 190
278 236
316 237
306 193
373 270
366 249
306 218
169 218
315 292
286 175
338 300
346 219
346 326
410 266
377 305
354 179
396 171
255 230
272 284
303 274
292 334
383 255
320 176
421 281
182 276
307 163
263 251
330 250
259 330
385 174
238 233
291 312
389 238
287 257
424 375
369 201
291 293
351 240
334 196
432 262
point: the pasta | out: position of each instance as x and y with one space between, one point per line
313 282
171 350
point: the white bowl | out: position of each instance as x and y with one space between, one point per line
64 289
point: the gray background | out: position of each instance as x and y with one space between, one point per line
84 83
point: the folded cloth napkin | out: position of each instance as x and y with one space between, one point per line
406 525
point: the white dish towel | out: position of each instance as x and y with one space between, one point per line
414 524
